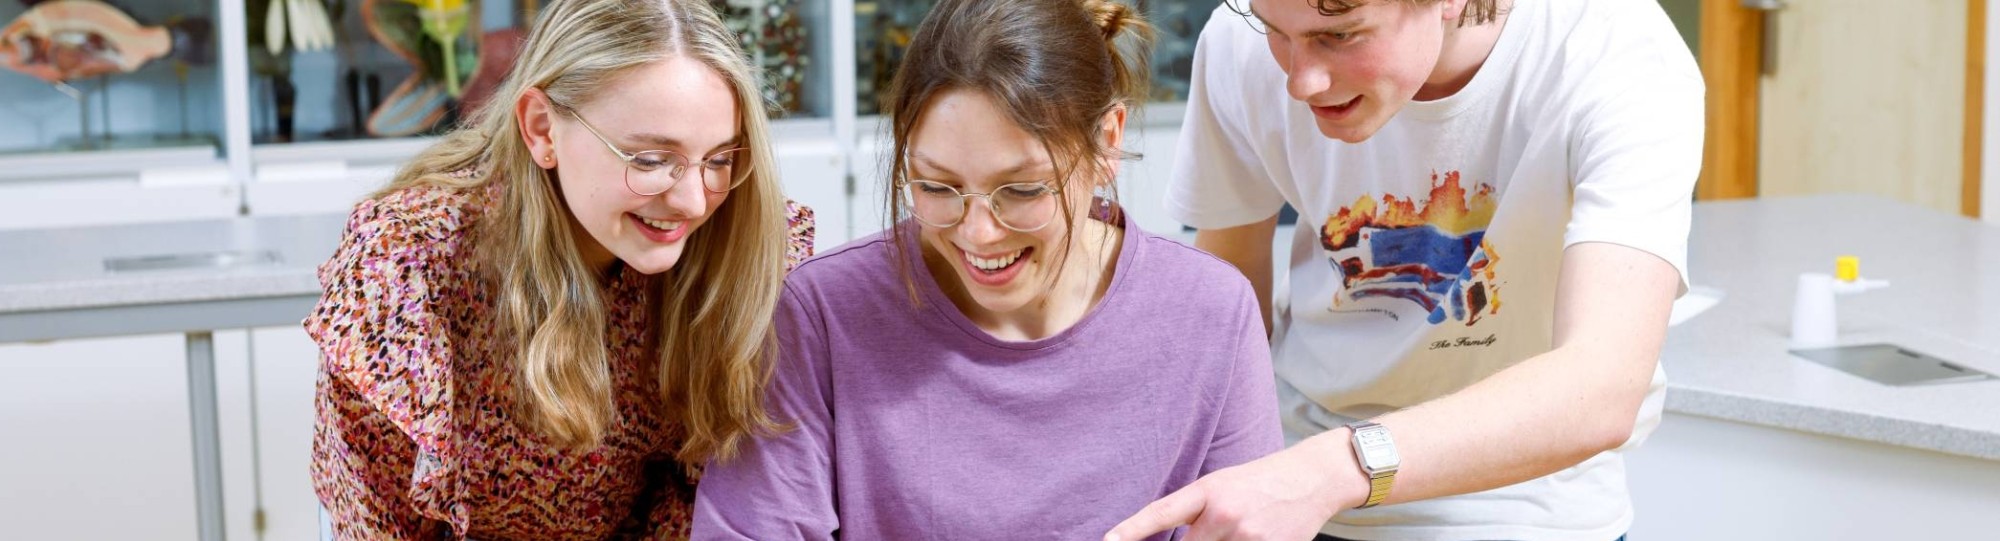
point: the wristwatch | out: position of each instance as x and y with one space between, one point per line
1376 452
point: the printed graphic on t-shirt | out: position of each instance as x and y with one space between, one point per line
1431 252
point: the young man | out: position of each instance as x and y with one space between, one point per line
1493 214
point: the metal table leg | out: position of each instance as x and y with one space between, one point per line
206 434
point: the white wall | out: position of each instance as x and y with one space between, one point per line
1989 155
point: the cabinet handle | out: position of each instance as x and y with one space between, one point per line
1767 56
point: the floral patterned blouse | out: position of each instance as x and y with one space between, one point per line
415 437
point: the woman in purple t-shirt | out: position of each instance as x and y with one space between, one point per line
1013 360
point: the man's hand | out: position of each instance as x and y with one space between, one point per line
1285 496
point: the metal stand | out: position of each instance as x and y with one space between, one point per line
82 111
206 435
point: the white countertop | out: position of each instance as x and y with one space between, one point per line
1731 363
66 269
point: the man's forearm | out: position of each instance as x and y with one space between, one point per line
1548 412
1494 434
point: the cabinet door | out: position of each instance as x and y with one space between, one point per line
1866 97
814 173
96 440
1142 184
284 365
868 203
1709 479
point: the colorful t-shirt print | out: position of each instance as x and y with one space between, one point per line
1431 252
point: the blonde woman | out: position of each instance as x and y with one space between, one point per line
554 311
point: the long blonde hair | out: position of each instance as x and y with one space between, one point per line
713 325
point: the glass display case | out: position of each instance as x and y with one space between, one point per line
329 70
89 75
301 106
85 77
1177 23
884 27
788 40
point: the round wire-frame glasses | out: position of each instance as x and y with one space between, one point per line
1022 206
657 171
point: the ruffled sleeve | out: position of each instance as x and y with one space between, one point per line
800 247
382 334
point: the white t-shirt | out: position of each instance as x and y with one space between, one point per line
1426 257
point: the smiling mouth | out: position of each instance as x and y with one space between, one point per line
1337 110
995 271
662 225
660 231
997 264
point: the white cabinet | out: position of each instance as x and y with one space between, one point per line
1703 478
74 202
98 443
1142 184
96 439
282 376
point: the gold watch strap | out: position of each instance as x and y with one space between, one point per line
1378 489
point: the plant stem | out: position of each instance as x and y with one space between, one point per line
451 67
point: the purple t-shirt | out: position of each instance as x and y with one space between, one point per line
913 423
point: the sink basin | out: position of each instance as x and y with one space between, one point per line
1890 364
203 260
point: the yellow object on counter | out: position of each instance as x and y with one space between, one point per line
1847 268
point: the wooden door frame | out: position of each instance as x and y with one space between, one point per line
1975 108
1731 46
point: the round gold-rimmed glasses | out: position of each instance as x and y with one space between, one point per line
653 172
1023 206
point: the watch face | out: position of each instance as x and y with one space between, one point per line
1371 438
1379 457
1377 452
